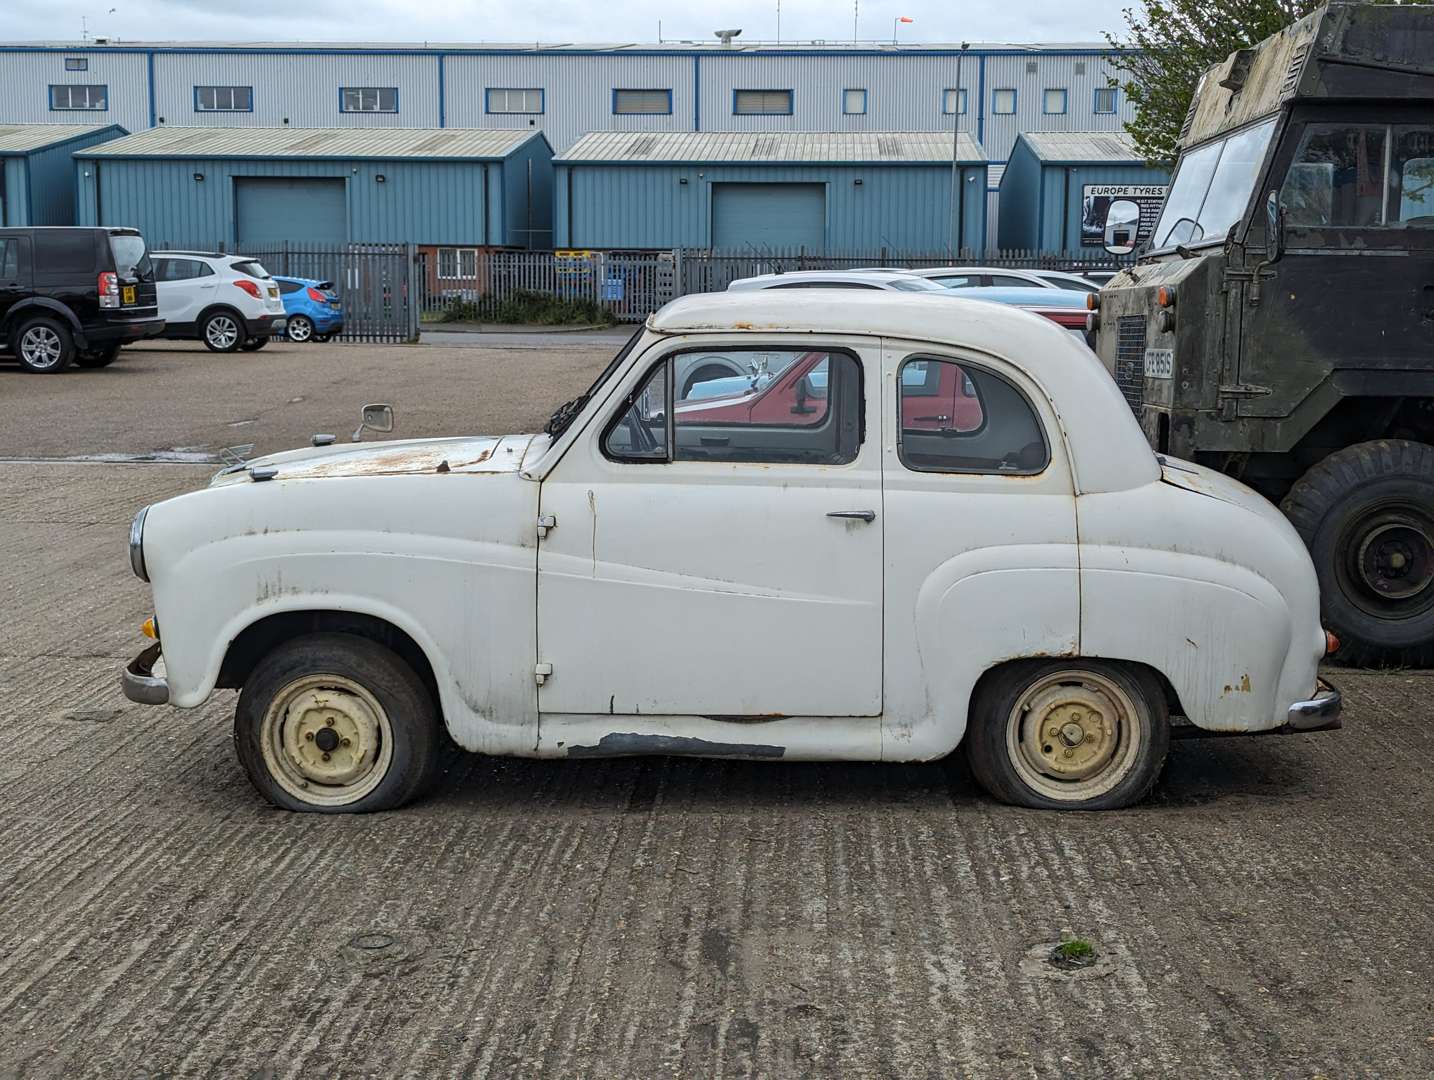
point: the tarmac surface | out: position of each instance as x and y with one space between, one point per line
1268 912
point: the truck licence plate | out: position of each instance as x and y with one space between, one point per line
1159 363
127 295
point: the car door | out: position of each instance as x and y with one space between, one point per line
712 566
185 288
15 279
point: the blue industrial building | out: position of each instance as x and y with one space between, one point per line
835 192
1058 185
247 187
37 176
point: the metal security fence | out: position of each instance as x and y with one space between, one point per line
527 286
378 284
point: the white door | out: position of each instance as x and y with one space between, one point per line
720 556
185 288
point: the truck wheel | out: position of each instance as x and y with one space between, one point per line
1367 515
43 346
97 358
1068 734
222 331
337 724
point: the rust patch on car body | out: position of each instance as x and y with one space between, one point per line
629 744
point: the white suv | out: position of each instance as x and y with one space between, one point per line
226 301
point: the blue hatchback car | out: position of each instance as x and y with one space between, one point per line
315 311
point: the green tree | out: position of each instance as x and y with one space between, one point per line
1169 44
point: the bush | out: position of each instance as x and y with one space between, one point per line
524 307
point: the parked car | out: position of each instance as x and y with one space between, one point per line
887 280
74 295
1064 307
862 585
975 277
226 301
314 310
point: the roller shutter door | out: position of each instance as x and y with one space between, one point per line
305 210
760 216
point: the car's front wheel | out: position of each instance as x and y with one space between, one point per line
336 723
43 346
1069 734
300 328
222 331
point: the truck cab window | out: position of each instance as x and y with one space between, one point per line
1212 187
1411 176
1337 177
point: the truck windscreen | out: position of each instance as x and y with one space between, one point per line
1212 187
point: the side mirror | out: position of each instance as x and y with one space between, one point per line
1122 227
374 418
1274 228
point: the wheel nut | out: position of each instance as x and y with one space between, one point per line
309 735
326 756
343 742
329 721
1069 753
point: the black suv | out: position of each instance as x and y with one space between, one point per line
74 295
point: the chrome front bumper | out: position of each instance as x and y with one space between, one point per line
1319 713
139 681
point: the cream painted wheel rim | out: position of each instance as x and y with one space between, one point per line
326 740
1073 735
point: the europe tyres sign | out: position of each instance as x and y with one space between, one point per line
1096 200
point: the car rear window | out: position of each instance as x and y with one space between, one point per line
252 268
64 251
131 256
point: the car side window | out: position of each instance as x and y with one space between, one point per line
960 418
960 281
1009 282
786 406
288 287
65 251
12 263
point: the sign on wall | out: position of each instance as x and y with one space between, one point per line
1095 204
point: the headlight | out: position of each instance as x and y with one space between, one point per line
136 545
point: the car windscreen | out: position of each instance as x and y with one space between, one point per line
131 256
567 412
918 284
1212 187
252 268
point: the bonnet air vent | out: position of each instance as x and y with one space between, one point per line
1292 76
1189 119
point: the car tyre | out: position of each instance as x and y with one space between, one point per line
1068 734
43 345
97 358
254 344
337 724
300 329
1366 513
222 331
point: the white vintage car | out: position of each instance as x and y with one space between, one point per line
938 525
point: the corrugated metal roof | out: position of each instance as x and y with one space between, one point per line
747 147
1082 146
667 45
461 144
23 138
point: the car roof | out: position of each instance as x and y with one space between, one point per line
935 271
760 280
1036 295
1108 449
200 255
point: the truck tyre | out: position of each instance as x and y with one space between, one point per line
43 345
1367 515
1068 734
103 356
337 724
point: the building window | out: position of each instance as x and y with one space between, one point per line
1053 102
1003 102
223 99
76 63
761 103
456 263
1105 99
68 97
641 102
952 101
382 99
501 100
853 102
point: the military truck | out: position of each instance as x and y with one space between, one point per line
1278 322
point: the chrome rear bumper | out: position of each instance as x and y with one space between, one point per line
1319 713
139 681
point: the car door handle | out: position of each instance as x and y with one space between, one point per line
867 516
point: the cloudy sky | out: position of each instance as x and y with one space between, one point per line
553 20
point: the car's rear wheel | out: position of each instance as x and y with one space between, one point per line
254 344
222 331
1069 734
43 346
336 724
300 329
103 356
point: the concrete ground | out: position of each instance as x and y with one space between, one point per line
1267 912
